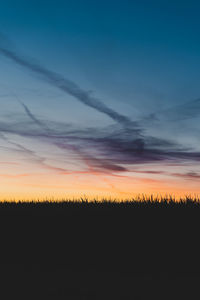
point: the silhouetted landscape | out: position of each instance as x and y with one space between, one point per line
136 202
100 250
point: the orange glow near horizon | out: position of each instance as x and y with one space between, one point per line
26 187
95 113
21 179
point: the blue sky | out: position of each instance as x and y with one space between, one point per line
150 48
139 58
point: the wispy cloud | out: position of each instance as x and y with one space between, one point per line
32 156
93 163
65 85
188 175
176 113
117 148
33 118
105 150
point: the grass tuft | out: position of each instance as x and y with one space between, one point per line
139 201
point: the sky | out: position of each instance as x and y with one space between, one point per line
99 98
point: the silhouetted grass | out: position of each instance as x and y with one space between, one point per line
138 202
51 240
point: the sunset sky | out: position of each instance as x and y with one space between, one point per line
99 98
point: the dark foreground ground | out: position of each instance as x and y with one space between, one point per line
105 251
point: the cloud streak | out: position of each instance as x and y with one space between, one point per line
67 86
185 111
118 148
94 164
32 117
106 150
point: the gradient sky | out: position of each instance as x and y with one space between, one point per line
99 98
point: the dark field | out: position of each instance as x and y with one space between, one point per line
106 250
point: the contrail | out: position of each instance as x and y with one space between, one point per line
67 86
33 118
92 162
